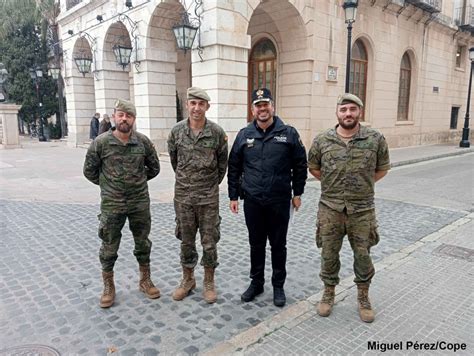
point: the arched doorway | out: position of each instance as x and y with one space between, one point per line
262 69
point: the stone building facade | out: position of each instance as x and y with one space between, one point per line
410 63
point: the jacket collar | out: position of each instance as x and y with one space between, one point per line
278 123
132 140
206 130
362 134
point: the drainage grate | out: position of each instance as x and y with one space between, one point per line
461 253
30 350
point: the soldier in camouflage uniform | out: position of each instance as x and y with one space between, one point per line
198 153
121 161
348 160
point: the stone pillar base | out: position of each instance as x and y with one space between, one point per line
9 137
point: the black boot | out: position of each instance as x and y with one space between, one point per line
251 292
279 298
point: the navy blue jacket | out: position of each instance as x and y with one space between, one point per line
267 166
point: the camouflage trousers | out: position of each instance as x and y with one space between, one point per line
361 230
190 218
110 232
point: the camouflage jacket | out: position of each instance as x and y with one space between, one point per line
348 171
122 170
200 163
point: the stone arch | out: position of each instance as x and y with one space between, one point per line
283 21
115 81
164 73
82 92
161 38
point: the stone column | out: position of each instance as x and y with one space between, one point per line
9 137
80 92
223 73
155 97
112 85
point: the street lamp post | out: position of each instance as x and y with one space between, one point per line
350 12
55 73
36 74
465 130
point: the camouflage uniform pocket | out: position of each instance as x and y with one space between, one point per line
319 241
101 227
374 237
218 228
177 231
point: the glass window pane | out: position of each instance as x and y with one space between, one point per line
264 50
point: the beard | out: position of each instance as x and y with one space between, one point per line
123 127
349 125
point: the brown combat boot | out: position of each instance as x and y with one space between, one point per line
209 293
327 301
108 295
146 285
187 284
365 309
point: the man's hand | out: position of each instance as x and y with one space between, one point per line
296 201
234 206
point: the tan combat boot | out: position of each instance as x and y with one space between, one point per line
108 295
365 309
327 301
146 285
187 284
209 293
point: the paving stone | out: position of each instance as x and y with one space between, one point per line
49 257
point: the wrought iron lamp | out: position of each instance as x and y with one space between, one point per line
350 12
122 55
36 74
83 63
185 33
54 72
465 130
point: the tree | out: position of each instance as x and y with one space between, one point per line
49 10
23 46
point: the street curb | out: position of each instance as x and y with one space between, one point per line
430 158
297 313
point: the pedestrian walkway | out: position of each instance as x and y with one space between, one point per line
409 155
50 275
422 297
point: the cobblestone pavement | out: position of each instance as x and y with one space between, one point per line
423 298
50 277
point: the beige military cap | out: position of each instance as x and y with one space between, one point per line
126 106
349 98
198 93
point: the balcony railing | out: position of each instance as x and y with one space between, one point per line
431 6
464 16
71 3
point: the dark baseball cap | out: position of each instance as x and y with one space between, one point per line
262 94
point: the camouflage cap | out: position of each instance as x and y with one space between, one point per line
126 106
349 98
198 93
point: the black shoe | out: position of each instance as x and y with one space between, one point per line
251 292
279 298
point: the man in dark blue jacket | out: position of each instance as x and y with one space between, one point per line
267 166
